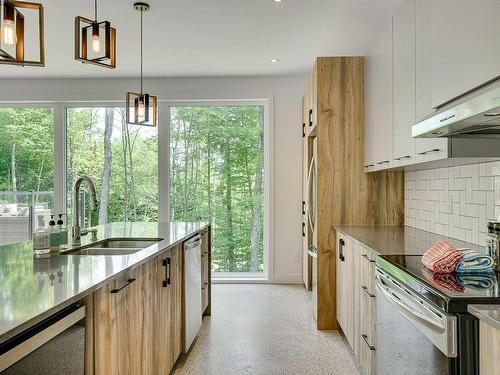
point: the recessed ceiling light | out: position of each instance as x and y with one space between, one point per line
278 1
274 61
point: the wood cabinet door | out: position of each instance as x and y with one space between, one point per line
404 83
124 323
168 322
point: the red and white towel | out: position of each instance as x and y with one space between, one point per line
442 257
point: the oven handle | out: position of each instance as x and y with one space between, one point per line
407 309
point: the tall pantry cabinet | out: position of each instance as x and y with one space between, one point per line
333 120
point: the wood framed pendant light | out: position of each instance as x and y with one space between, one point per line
141 108
13 32
95 41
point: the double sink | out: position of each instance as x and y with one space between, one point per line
114 246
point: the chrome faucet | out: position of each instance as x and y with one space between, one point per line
76 232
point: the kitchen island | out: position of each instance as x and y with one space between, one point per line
35 288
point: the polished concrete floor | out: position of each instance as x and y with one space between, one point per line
264 329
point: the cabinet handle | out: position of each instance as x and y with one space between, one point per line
367 292
310 117
429 151
369 165
166 264
303 130
383 162
129 281
303 207
365 337
303 229
403 157
368 259
341 250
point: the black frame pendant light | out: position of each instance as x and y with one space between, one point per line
95 41
142 109
12 33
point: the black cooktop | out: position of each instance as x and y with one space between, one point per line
451 292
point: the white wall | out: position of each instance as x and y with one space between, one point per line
284 94
454 202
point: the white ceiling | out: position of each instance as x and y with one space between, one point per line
212 37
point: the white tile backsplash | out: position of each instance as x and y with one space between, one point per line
455 201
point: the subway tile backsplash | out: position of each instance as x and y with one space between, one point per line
455 202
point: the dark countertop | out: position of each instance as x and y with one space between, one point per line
32 289
488 313
399 240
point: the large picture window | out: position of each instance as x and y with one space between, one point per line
217 174
26 170
121 159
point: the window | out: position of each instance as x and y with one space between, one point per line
26 170
121 159
217 174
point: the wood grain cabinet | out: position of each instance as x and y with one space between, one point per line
489 349
356 305
124 325
168 317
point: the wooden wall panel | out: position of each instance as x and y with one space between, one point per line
346 195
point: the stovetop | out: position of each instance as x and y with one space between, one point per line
451 292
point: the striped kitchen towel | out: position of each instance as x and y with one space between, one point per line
474 262
442 257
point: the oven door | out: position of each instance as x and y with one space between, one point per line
412 336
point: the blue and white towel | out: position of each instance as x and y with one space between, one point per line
474 262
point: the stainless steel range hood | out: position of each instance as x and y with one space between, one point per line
475 114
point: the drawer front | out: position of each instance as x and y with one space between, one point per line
204 296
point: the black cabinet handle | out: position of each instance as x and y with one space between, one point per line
303 130
368 259
166 264
129 281
303 229
341 250
367 292
383 162
403 157
303 207
310 117
365 337
429 151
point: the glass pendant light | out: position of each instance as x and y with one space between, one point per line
141 108
12 32
95 41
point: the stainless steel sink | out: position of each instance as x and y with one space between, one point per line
114 246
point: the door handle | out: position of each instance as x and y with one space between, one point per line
365 289
166 264
303 229
310 117
129 281
303 130
365 337
368 259
403 157
429 151
341 250
383 162
303 207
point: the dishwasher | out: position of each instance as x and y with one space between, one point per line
54 346
192 290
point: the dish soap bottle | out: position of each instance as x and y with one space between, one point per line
54 235
41 238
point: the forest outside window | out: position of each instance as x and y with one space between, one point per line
26 170
120 158
217 174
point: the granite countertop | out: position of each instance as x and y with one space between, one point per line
399 240
32 288
488 313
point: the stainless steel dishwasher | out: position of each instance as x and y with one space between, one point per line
192 290
52 347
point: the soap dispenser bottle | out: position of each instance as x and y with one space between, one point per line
41 238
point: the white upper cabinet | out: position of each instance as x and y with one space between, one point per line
404 83
465 46
379 102
426 149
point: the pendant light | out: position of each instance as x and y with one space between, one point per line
12 32
141 108
95 42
